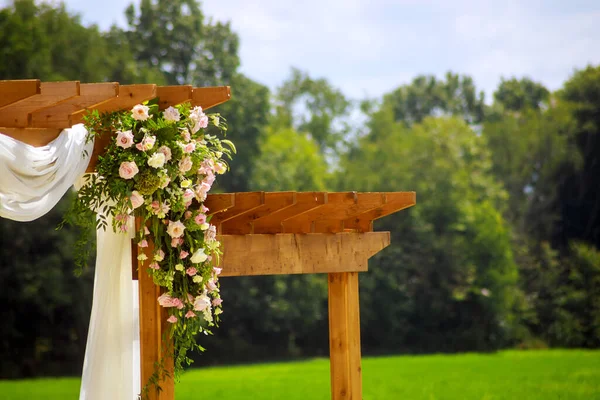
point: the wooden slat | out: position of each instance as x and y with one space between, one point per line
129 96
247 255
13 91
17 115
242 224
207 97
152 326
395 201
303 222
91 96
173 95
344 336
243 202
333 221
219 202
33 137
304 201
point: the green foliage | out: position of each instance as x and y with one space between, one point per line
449 280
289 160
429 96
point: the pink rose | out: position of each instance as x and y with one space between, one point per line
124 139
207 167
191 271
185 164
186 135
183 254
172 319
188 215
165 300
190 314
128 169
177 303
140 112
217 302
136 199
200 219
189 148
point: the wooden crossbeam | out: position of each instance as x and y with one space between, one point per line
51 93
13 91
92 95
247 255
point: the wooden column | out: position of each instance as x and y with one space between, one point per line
344 336
153 326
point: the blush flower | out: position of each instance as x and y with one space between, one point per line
201 303
191 271
128 169
190 314
199 256
200 219
172 319
136 199
166 151
124 139
185 164
148 142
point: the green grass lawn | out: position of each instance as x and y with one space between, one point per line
509 375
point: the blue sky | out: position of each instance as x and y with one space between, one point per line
369 47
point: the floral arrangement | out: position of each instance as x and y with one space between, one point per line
159 168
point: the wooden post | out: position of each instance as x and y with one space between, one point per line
344 336
153 326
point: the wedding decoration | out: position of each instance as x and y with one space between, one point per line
158 170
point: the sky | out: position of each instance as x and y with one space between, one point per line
369 47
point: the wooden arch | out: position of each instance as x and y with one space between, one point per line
263 233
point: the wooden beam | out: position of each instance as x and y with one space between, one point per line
91 96
17 115
344 336
13 91
395 201
303 202
247 255
33 137
207 97
153 326
173 95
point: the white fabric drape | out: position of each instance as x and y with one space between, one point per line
32 181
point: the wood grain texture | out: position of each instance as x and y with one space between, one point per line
92 95
17 115
152 327
249 255
344 336
13 91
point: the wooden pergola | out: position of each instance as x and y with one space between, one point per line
262 233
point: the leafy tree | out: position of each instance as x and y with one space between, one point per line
449 279
429 96
521 94
314 107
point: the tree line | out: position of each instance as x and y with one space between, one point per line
502 249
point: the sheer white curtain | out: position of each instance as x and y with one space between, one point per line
32 181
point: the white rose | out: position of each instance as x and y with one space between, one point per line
157 160
199 256
171 114
140 112
175 229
